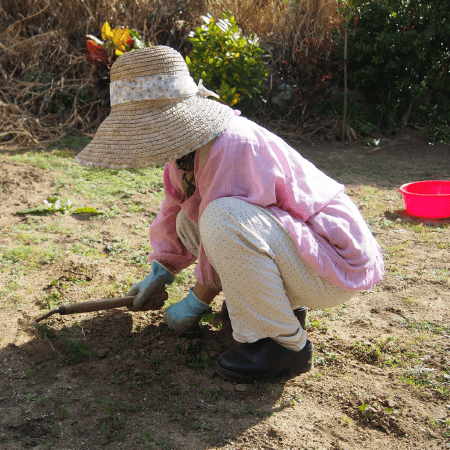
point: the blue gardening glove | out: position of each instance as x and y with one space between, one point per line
153 284
184 315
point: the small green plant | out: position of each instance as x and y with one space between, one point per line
77 350
370 142
54 204
178 411
210 394
409 300
346 421
49 443
384 353
271 388
51 300
207 318
11 288
150 443
250 409
104 430
64 412
367 410
157 395
14 255
31 376
227 62
44 330
321 326
29 398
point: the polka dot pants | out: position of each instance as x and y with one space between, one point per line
263 277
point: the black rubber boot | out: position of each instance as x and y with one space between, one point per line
301 314
263 360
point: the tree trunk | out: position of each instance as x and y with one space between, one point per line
344 114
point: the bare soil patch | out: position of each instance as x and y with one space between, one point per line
122 380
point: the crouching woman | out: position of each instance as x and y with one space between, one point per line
264 225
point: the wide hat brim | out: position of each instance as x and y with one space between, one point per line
145 133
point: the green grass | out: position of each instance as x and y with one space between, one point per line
384 352
35 242
179 288
76 142
424 325
102 186
425 377
10 291
31 238
58 227
150 443
372 168
84 250
28 256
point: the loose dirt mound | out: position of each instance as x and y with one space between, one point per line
22 186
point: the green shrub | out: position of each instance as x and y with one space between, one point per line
361 115
309 73
433 114
398 55
227 62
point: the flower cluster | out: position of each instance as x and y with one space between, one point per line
115 43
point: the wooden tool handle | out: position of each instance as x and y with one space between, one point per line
97 305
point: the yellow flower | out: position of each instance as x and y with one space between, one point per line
235 100
106 32
120 37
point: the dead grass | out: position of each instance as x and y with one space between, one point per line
310 130
283 25
48 89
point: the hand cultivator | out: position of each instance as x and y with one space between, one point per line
96 305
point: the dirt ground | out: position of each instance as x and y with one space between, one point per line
122 380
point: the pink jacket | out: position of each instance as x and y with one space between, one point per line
252 164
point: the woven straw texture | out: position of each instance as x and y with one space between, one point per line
145 133
159 60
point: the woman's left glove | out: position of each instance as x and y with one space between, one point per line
184 315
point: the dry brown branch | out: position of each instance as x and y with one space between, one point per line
46 86
43 71
317 128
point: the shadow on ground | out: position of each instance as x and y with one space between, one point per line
138 386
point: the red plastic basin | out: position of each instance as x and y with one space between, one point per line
428 199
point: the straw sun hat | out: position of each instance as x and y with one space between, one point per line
158 113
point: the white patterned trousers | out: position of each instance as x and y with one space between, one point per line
262 274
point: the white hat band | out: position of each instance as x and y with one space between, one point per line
156 87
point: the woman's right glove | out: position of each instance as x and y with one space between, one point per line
153 284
